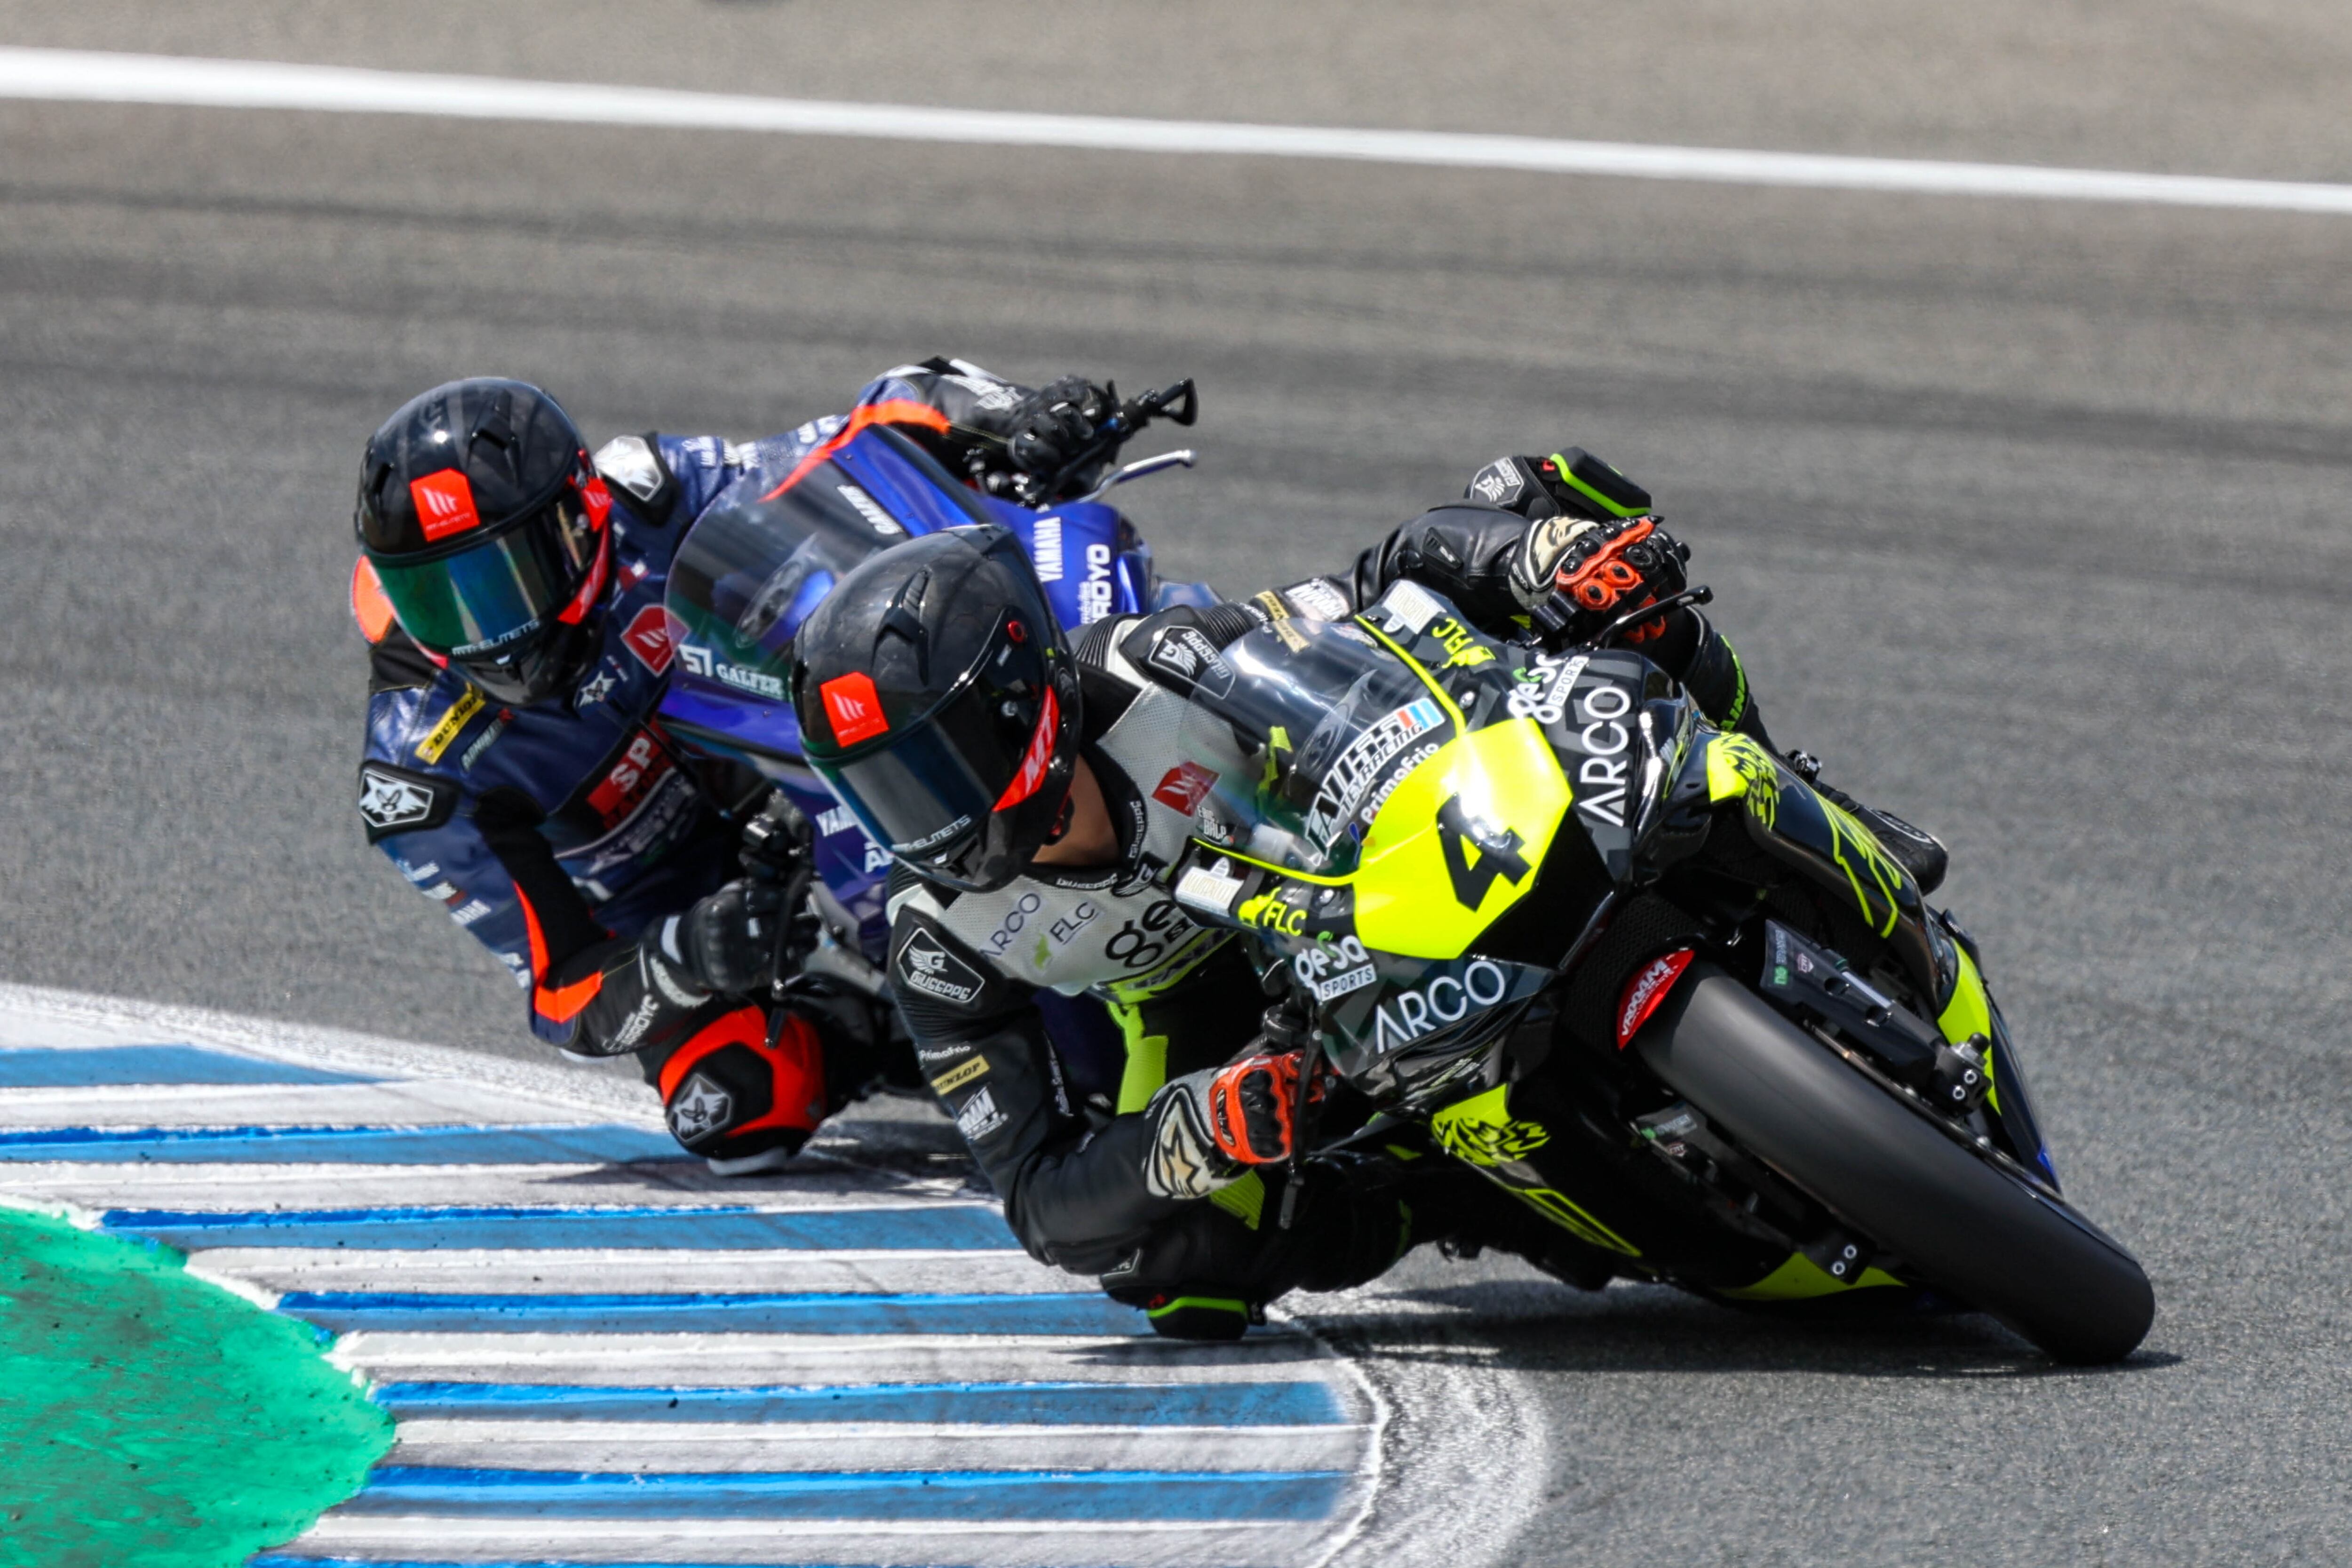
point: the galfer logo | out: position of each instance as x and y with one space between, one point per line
697 661
1646 991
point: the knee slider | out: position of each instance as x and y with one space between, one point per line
727 1095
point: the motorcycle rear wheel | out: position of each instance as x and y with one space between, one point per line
1960 1223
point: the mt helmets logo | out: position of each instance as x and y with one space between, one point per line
1183 786
445 505
386 802
648 638
852 707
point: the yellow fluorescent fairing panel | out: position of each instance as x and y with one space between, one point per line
1509 782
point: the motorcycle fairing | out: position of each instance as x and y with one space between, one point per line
1790 822
747 577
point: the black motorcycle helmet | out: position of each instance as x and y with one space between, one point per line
486 528
936 696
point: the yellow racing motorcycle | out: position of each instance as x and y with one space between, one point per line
1539 913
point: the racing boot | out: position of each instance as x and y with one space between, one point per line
744 1103
1921 852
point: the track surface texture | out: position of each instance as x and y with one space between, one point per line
2028 516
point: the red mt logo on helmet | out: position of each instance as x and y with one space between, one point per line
1038 759
852 707
445 505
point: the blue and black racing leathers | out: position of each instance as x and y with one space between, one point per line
557 834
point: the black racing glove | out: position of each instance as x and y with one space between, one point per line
726 944
1050 427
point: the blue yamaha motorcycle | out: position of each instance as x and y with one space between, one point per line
745 578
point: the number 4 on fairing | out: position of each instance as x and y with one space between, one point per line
1476 853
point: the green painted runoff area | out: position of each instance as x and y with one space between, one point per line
148 1418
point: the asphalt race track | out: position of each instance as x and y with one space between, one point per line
2029 517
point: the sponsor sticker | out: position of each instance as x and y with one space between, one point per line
1045 548
700 1109
1335 969
926 966
1442 1003
1409 607
648 638
978 1116
1646 990
1211 889
1034 762
852 707
629 781
956 1077
871 511
445 505
436 741
387 802
488 738
1187 653
1317 599
1498 483
1179 1166
1182 787
1352 773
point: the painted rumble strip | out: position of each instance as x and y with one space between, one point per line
832 1366
77 76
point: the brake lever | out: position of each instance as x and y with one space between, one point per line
1702 595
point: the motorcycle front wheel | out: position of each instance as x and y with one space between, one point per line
1960 1222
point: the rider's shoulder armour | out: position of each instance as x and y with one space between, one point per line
635 464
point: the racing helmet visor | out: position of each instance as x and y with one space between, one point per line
490 594
930 790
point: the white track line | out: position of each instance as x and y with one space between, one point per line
80 75
640 1361
711 1448
422 1103
1183 1543
504 1271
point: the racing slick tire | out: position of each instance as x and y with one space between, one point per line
1960 1223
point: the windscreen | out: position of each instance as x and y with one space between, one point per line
1319 724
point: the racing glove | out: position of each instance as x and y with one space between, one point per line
1605 569
1208 1127
726 944
1051 427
